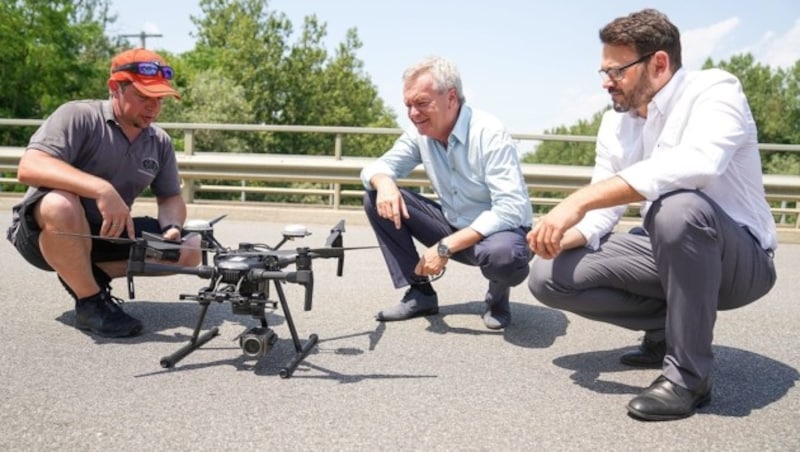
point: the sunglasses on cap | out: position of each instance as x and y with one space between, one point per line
148 69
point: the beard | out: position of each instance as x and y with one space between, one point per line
638 96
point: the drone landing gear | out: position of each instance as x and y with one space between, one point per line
301 351
197 340
255 342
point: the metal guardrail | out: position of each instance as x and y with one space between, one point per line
211 166
202 172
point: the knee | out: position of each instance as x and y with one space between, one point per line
509 265
60 208
191 255
369 200
677 214
542 285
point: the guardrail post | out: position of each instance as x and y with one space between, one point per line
188 149
337 187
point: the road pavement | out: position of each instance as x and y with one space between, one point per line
550 381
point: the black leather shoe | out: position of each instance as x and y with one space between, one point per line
666 401
650 354
101 315
414 304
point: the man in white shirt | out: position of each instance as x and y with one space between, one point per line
483 211
685 144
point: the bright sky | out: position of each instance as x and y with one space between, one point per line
532 64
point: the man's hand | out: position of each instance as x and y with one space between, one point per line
172 234
546 239
389 201
116 214
430 263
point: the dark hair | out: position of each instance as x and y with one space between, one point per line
647 31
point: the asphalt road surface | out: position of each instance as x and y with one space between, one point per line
550 381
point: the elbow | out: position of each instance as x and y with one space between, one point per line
25 174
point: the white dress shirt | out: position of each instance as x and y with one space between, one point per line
699 134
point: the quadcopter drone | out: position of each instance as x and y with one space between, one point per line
241 277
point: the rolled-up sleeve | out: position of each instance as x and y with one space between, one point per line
397 162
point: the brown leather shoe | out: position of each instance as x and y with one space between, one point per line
666 401
650 354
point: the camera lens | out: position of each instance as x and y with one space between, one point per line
257 342
252 346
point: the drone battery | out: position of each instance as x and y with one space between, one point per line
165 255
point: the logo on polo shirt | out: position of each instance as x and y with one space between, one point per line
150 166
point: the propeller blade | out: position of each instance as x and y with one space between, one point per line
119 240
152 240
336 251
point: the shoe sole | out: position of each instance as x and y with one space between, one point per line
673 417
132 332
642 365
423 313
494 327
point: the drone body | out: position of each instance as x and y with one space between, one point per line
243 277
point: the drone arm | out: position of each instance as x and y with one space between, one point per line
303 277
306 279
151 268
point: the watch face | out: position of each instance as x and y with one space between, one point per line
443 250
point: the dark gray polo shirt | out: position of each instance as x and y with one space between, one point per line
86 135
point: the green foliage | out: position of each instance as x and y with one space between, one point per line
774 98
568 152
286 82
52 51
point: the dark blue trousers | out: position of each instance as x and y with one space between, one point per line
503 257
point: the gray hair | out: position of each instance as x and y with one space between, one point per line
444 72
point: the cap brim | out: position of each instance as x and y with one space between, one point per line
155 87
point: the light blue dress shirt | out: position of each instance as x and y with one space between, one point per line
478 177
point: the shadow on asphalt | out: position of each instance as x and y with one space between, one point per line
160 316
743 381
531 326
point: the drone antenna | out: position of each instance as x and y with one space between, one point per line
215 220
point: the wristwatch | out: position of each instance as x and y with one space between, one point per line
443 250
171 226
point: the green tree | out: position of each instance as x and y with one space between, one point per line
568 152
774 99
285 82
52 51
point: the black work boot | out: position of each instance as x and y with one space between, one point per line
101 315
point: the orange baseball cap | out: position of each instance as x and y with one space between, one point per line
124 69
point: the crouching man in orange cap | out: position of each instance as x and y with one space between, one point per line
84 167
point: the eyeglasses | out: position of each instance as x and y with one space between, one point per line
148 69
616 74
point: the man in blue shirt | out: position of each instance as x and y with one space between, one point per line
483 211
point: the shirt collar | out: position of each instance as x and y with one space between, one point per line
461 127
107 110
